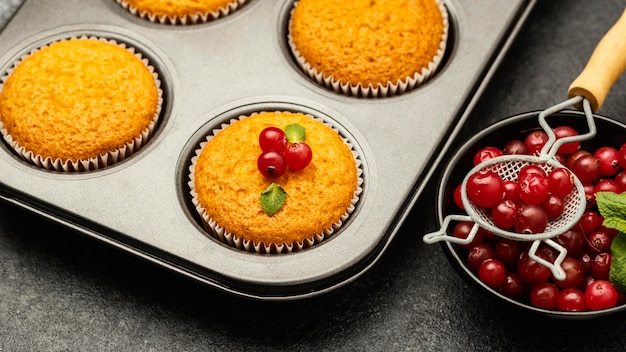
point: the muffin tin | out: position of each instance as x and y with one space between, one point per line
236 65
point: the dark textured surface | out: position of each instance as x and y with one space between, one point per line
61 291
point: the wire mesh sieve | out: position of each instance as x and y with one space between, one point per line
508 168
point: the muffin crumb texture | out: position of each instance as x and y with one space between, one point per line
77 99
181 8
369 42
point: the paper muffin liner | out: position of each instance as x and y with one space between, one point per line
103 160
199 17
379 91
238 242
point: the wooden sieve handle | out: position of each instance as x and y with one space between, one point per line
606 64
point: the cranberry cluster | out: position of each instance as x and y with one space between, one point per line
505 265
525 205
278 154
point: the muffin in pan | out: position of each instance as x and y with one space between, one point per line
369 48
181 11
79 104
227 185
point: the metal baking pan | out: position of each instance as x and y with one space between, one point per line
237 65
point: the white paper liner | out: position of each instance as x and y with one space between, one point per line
102 160
195 18
379 91
238 242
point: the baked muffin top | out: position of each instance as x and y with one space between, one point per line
229 184
77 99
179 8
367 41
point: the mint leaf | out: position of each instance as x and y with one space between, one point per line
617 273
612 207
273 198
295 133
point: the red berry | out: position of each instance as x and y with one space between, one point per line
607 186
507 251
515 147
458 200
462 230
599 241
608 158
575 156
486 154
601 265
512 286
478 254
601 294
503 214
492 272
272 164
531 271
620 180
561 182
298 156
534 189
273 138
590 195
535 141
590 221
587 169
571 300
545 295
531 219
566 131
511 191
573 241
574 273
530 169
485 188
622 156
553 206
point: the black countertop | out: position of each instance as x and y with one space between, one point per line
62 291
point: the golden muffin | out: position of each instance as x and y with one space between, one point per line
227 184
181 11
78 100
381 44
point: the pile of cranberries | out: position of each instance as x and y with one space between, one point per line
525 205
505 265
278 154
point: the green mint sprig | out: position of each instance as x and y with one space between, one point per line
295 133
273 198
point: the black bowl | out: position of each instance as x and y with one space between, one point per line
609 132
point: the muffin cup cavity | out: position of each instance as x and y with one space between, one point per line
390 88
188 19
102 160
235 241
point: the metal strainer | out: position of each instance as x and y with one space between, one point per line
508 167
588 92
